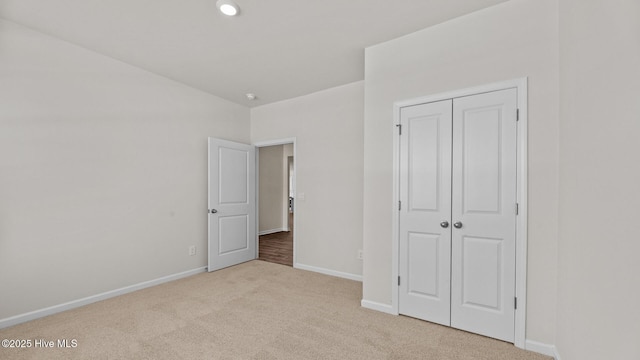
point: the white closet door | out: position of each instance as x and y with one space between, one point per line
425 193
484 214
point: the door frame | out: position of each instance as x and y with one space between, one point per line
261 144
521 193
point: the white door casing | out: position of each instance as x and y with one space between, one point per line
232 203
474 169
484 204
425 193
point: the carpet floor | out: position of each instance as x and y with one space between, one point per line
255 310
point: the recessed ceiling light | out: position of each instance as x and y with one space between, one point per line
251 96
228 7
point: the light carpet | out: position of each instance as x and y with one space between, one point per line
255 310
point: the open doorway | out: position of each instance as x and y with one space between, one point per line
276 203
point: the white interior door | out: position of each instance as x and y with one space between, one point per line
458 212
484 214
232 203
425 211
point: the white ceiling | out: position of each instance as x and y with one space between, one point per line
277 49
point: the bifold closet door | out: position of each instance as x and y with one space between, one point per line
483 213
425 193
458 212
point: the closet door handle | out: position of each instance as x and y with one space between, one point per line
444 224
457 224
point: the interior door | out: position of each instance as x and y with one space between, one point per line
458 212
232 203
425 211
484 214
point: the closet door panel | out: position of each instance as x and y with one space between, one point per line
483 211
425 193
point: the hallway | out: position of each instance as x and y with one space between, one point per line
277 247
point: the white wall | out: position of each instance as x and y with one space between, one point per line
599 247
288 150
272 193
103 171
510 40
327 126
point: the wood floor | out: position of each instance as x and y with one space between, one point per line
277 247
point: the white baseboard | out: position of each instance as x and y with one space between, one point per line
556 354
328 272
541 348
272 231
18 319
377 306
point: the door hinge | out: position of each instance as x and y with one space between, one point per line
399 126
515 303
399 205
517 209
517 114
398 280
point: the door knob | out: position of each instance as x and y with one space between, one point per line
444 224
213 211
457 224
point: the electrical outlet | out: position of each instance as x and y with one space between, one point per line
192 250
360 254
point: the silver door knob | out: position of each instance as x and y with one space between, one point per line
213 211
444 224
457 224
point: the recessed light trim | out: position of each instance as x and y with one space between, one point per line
228 7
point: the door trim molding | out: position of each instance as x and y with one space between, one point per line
274 142
521 196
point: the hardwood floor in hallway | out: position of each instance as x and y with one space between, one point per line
277 247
